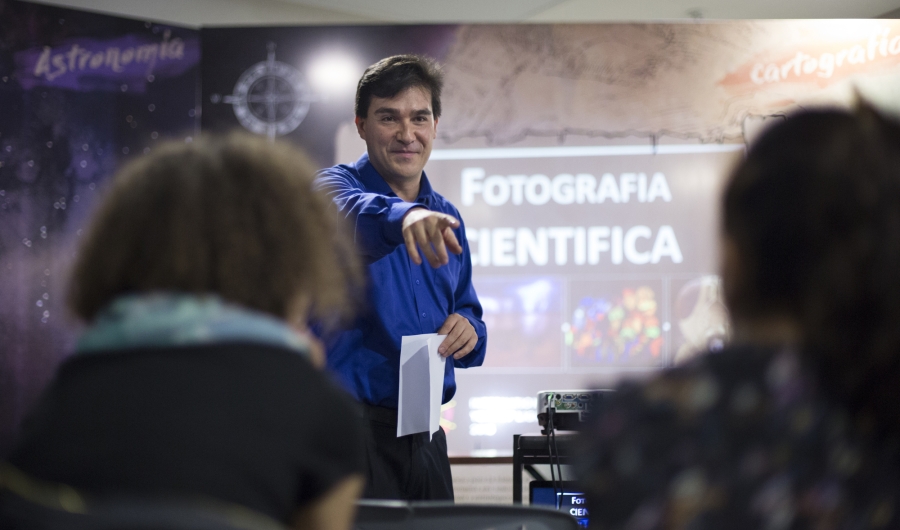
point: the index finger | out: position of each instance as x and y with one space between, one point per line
449 344
449 220
447 325
453 348
451 241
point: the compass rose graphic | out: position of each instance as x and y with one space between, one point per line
270 97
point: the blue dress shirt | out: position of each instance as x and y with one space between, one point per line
404 298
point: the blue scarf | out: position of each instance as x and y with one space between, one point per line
161 320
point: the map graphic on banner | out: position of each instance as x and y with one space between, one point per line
587 162
270 97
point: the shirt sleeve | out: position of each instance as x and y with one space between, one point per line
467 304
376 220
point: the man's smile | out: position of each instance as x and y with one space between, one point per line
405 152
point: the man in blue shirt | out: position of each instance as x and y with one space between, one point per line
397 218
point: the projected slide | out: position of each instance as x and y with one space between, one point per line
587 162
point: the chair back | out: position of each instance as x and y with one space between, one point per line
399 515
17 513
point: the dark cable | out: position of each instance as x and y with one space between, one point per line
562 490
550 435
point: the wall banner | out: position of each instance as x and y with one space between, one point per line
80 93
586 160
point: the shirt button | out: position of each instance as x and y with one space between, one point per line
417 282
423 315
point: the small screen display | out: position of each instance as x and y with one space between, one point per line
569 500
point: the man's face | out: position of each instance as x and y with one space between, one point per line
399 132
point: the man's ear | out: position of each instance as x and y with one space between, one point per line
360 126
435 127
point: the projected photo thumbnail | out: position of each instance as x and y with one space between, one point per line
615 324
700 321
522 315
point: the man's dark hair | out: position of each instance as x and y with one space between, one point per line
813 217
234 216
392 75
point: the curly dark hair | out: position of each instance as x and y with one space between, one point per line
813 214
392 75
235 216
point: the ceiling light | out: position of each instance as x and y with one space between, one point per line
334 72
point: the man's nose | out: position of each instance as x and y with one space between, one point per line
405 133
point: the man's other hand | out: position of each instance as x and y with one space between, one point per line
461 337
433 233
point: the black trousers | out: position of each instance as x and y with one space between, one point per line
408 468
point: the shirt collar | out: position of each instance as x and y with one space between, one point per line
375 182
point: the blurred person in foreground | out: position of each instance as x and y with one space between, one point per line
195 379
795 424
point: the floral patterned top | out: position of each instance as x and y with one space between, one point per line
742 439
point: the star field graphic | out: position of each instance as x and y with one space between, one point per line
80 94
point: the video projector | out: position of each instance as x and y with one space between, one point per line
570 408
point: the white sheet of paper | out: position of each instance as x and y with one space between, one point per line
421 384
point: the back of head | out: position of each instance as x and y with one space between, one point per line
813 218
234 216
392 75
